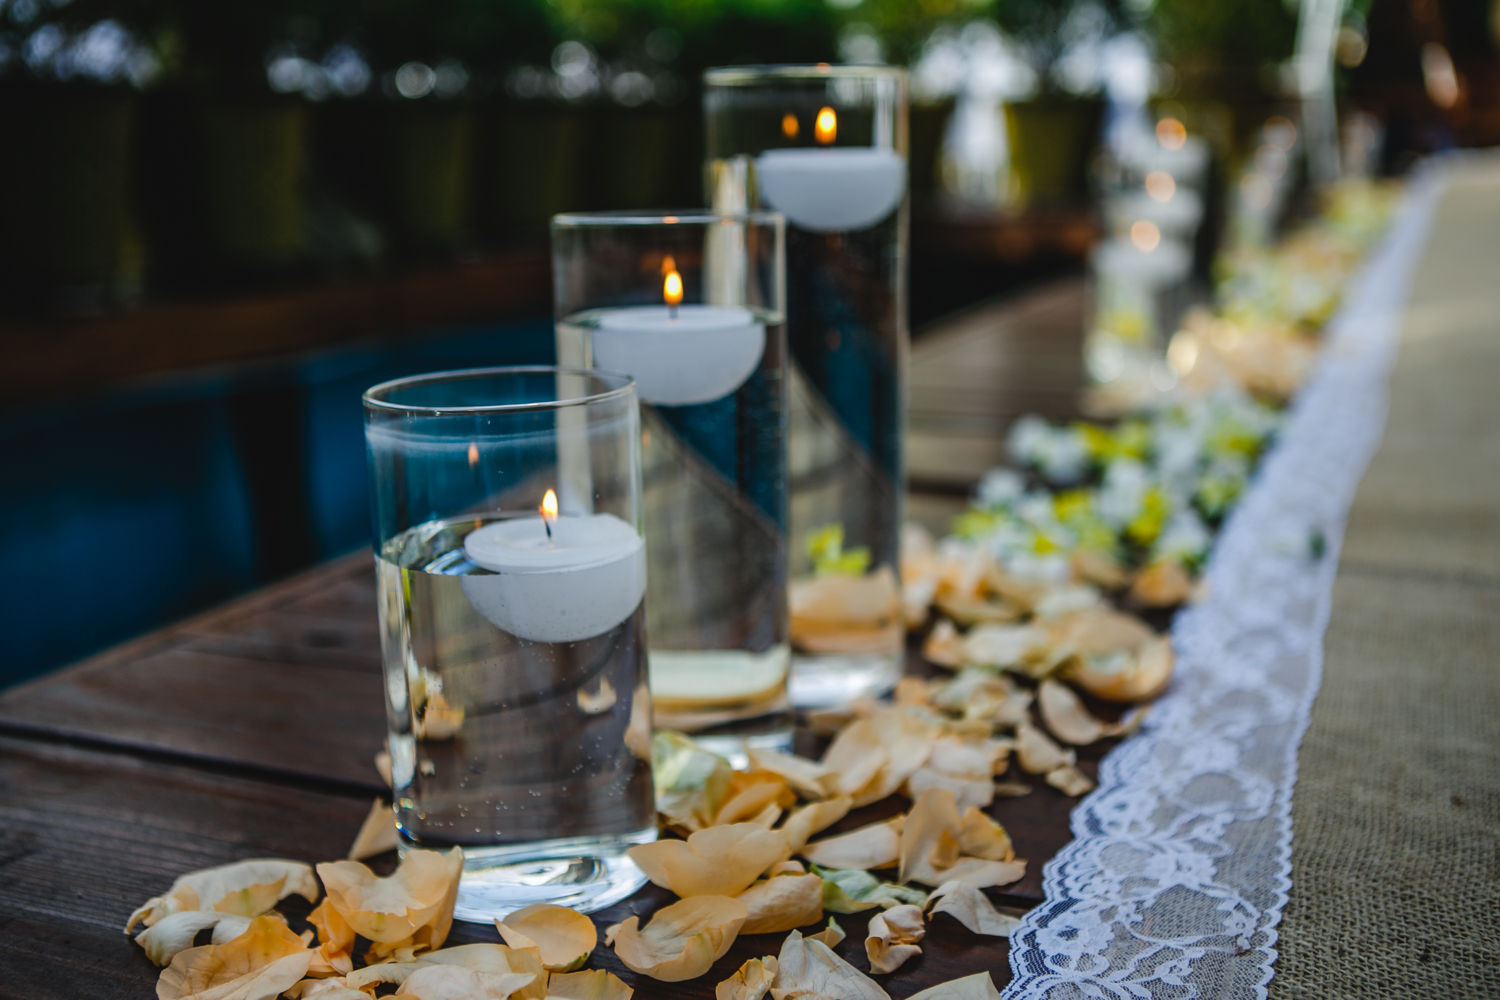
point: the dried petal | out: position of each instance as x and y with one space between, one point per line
1126 676
563 938
415 903
933 814
807 966
810 778
1038 754
1003 646
690 781
175 932
377 834
850 891
452 982
245 888
944 646
1163 584
1011 789
497 960
1069 780
682 940
966 791
259 964
325 989
751 981
979 836
749 793
782 903
1065 716
979 986
335 941
811 819
892 937
877 845
972 908
1100 630
719 861
832 935
591 984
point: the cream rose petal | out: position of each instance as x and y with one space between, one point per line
682 940
832 935
496 959
851 891
1069 780
691 782
718 861
806 966
564 938
325 989
979 986
245 888
877 845
972 908
377 834
1064 714
934 816
1037 753
979 836
892 937
419 896
591 984
782 903
751 981
813 818
258 965
810 778
175 932
454 982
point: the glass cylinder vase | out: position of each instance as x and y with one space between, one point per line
691 305
826 146
512 577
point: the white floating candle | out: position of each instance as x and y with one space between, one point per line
832 190
680 355
581 580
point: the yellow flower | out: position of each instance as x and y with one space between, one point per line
1147 525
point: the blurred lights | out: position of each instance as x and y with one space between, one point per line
1144 235
415 80
1439 76
1171 133
1280 133
1160 185
1351 46
1270 161
790 126
1255 191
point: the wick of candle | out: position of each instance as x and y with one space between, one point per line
671 312
548 525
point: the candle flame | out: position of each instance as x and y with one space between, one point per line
549 509
671 288
790 126
826 126
1171 133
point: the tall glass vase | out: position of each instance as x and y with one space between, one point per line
826 146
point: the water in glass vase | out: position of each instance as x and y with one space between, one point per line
714 511
532 755
847 353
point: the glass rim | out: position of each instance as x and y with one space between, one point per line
720 76
622 386
665 217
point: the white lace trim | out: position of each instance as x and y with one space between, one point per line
1181 859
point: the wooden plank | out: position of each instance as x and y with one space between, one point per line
85 837
305 721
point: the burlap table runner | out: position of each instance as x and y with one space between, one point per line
1396 811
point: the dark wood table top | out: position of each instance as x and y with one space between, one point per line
250 731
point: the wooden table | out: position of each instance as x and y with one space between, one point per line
250 731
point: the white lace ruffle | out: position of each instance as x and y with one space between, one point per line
1181 859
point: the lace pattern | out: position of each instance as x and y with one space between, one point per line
1181 859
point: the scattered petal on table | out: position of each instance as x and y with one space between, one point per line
564 938
414 904
258 965
813 818
972 908
807 966
682 940
1037 753
1069 780
892 937
591 984
877 845
832 935
376 835
979 986
175 932
782 903
246 888
718 861
751 981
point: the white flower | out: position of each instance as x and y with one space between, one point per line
1184 538
1122 492
1000 488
